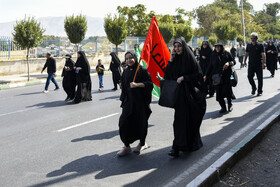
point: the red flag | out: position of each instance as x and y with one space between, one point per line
155 52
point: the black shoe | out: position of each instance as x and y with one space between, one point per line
174 153
67 98
223 110
230 107
272 76
114 88
56 89
253 91
259 94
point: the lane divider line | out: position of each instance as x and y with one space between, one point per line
86 122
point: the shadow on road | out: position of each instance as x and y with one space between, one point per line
51 104
102 136
31 93
161 167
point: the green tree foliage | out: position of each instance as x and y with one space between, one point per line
75 28
167 31
269 19
240 38
183 30
213 40
116 29
224 31
28 34
48 38
136 18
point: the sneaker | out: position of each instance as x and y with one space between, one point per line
56 89
140 148
259 94
45 91
124 151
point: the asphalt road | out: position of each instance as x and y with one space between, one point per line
47 142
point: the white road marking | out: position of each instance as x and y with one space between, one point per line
218 149
85 123
18 111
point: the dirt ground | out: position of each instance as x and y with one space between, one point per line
261 167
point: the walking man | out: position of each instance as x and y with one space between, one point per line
241 53
51 69
257 62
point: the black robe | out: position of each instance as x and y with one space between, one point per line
69 79
190 105
133 122
83 79
115 68
204 65
218 60
271 58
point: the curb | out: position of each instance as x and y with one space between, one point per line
36 82
23 84
214 172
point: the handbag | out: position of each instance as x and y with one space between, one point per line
168 93
216 79
233 78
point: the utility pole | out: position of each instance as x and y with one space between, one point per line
242 20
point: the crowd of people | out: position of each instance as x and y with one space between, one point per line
198 73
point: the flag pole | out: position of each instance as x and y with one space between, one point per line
136 70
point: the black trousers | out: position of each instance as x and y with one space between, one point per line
259 72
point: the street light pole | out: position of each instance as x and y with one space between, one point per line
243 23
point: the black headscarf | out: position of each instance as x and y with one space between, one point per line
183 64
222 48
115 58
205 51
82 60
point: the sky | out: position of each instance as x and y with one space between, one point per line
11 10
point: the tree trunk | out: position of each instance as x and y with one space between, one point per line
117 50
77 45
28 72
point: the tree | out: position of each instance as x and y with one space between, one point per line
116 29
224 31
75 28
213 40
185 31
240 38
28 34
137 20
167 31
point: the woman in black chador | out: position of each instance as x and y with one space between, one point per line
69 78
271 57
221 63
115 68
82 70
204 62
190 105
136 98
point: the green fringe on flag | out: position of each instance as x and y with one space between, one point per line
156 90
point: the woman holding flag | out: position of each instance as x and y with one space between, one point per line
190 105
136 97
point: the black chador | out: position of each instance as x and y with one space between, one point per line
204 62
116 70
133 123
69 78
271 58
83 79
190 104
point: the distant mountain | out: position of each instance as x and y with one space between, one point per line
55 26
